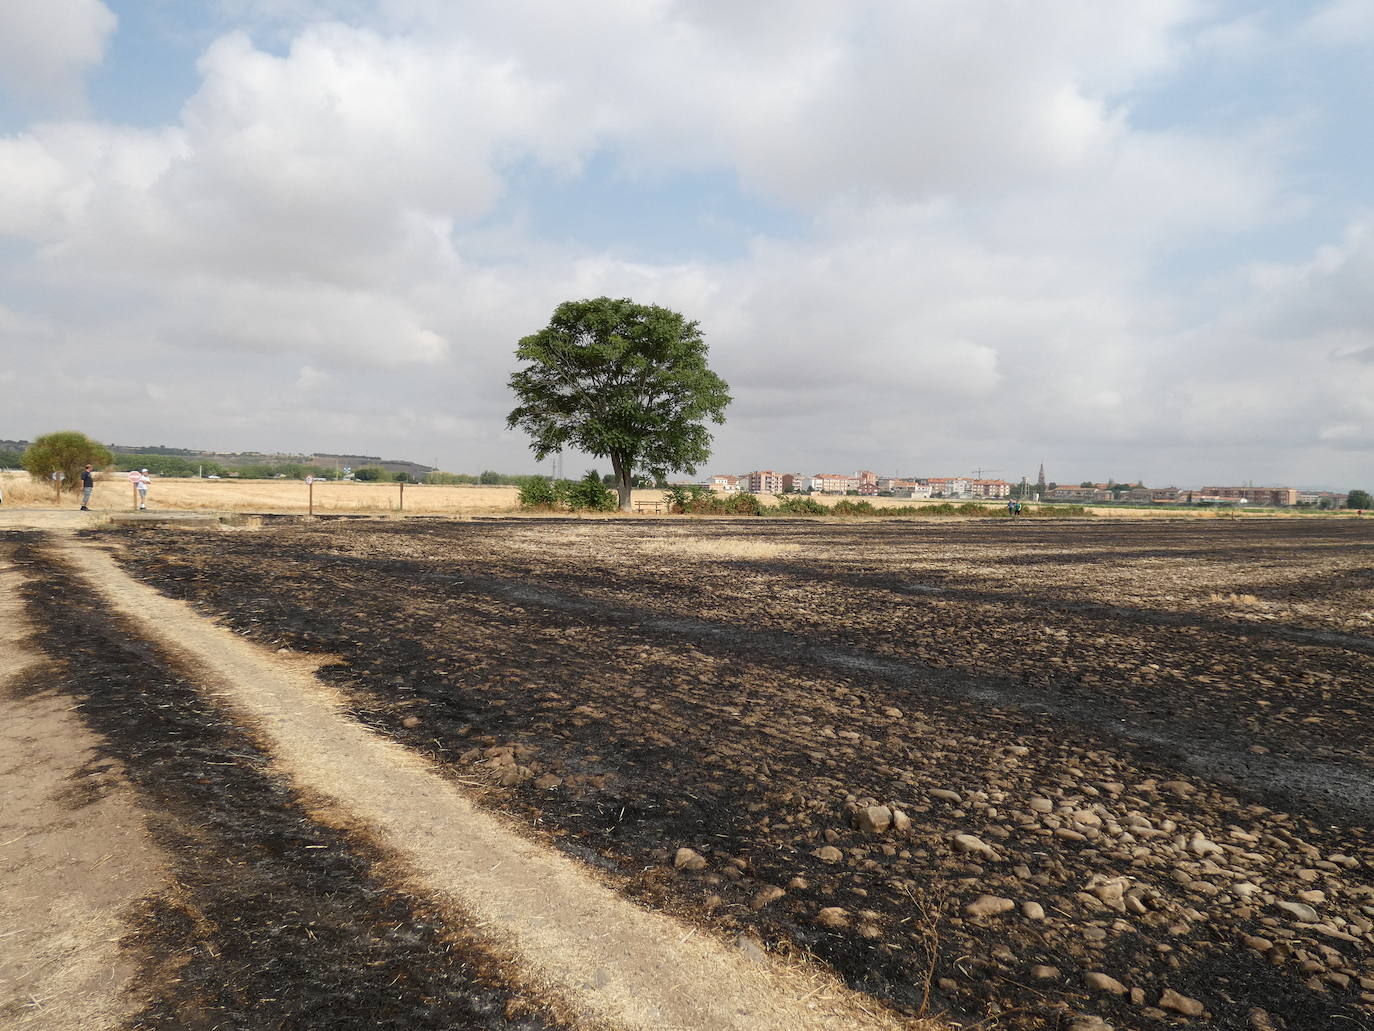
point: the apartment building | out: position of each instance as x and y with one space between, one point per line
990 488
833 483
949 486
900 488
1153 495
1098 493
723 484
763 481
1281 496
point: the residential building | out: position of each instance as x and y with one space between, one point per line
1096 493
990 488
834 483
793 483
721 484
949 486
764 481
868 482
1153 495
1280 496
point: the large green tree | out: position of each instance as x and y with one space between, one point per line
67 452
620 380
1359 499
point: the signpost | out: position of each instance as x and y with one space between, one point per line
57 478
310 489
403 496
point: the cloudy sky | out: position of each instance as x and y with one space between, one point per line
1123 238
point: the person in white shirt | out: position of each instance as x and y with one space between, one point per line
141 482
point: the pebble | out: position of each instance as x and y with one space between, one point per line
989 905
1033 911
833 917
767 894
1100 982
1041 972
945 795
410 722
1299 910
1087 1022
1172 1000
828 854
971 844
689 859
873 819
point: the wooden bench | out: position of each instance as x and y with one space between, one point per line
655 506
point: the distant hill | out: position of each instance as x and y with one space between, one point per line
236 458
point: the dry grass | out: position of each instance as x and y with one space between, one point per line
700 547
1240 601
113 492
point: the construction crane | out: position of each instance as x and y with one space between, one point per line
979 472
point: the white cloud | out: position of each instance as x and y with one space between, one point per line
47 47
983 266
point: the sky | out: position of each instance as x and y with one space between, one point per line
1122 239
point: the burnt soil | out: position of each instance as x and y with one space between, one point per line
275 918
1183 710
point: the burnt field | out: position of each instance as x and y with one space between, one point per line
1008 771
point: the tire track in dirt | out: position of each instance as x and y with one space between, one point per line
633 968
74 852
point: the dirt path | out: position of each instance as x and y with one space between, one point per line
627 966
74 852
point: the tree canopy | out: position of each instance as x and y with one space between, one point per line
620 380
1359 499
67 452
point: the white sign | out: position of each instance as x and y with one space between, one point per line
310 479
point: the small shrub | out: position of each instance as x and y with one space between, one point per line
742 503
845 507
538 492
798 504
685 496
590 494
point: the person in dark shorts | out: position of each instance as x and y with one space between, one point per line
87 485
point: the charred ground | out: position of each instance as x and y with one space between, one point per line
1158 732
276 918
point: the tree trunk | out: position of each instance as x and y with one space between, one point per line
622 481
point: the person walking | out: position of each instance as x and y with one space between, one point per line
142 484
87 485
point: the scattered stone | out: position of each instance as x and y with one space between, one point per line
1032 911
548 781
901 823
798 884
410 722
893 712
873 819
1041 805
828 854
509 776
1100 982
945 795
689 859
834 917
751 949
767 894
1260 1020
989 905
1172 1000
1300 911
1041 972
971 844
1181 788
1087 1022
